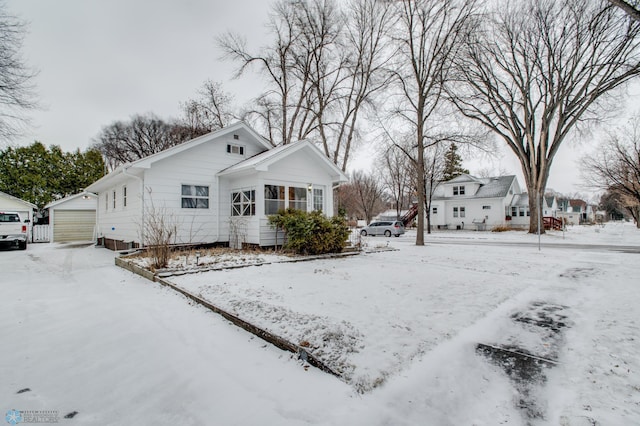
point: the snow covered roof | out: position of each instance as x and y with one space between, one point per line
493 187
464 178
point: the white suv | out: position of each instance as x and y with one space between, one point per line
386 228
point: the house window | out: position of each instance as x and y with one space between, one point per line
124 196
514 211
318 199
114 199
235 149
273 199
298 198
195 197
458 190
435 210
455 212
522 211
486 207
462 211
243 203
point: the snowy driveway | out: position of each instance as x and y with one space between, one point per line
85 336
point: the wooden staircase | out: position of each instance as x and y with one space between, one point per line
550 222
409 215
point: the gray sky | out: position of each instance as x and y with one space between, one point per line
105 60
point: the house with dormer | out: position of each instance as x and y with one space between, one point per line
217 188
469 202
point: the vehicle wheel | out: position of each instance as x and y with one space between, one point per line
397 235
22 246
363 233
387 233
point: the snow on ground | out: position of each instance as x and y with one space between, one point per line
402 326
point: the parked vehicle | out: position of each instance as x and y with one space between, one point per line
386 228
12 230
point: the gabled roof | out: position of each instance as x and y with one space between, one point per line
69 198
521 200
18 200
493 187
146 162
549 200
262 161
463 178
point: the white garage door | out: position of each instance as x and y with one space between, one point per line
73 225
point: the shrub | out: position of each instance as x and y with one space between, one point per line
311 233
501 228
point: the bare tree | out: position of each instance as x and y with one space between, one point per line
368 194
630 8
534 69
286 66
324 67
396 173
428 36
123 142
16 90
211 110
615 167
435 169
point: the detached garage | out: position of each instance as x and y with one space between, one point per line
14 204
73 218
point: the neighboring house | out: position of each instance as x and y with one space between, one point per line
73 218
14 204
469 202
573 211
217 188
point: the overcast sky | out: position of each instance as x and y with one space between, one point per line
104 60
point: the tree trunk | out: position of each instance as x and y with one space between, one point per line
535 208
420 182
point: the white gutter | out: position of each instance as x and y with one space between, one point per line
124 172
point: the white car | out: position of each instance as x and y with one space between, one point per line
386 228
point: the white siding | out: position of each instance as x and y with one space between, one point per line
122 223
197 166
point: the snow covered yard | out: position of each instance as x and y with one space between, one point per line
403 326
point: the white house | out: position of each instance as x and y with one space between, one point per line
73 218
217 188
573 211
469 202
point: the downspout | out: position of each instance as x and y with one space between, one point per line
141 179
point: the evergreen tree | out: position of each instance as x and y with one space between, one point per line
41 175
453 163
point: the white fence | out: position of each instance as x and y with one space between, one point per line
40 234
